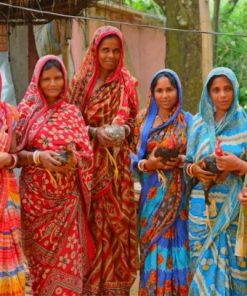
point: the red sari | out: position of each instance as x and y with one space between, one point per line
55 207
113 215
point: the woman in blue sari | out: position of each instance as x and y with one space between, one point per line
162 214
216 270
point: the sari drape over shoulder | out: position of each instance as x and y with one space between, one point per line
55 207
113 216
216 269
163 229
12 274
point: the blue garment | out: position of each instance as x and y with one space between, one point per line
216 270
162 214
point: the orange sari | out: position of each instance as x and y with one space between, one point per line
113 215
12 274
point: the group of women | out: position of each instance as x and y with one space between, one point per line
78 215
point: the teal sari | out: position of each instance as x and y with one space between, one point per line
212 234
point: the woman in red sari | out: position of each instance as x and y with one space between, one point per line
106 94
12 274
55 183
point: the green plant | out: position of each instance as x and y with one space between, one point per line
231 51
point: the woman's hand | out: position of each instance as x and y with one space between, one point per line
228 162
242 196
157 163
5 159
48 159
172 163
103 138
202 175
72 162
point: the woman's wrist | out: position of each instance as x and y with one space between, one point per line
181 161
242 166
93 132
36 157
189 169
142 165
127 130
14 160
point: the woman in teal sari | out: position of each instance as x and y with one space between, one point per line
162 213
216 270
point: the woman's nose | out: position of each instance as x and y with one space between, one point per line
110 54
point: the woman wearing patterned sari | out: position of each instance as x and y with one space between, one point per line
162 212
213 227
106 94
57 161
12 275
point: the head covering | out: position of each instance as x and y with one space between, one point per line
152 112
86 77
34 103
207 109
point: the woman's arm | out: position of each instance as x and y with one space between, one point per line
242 196
46 159
231 163
6 159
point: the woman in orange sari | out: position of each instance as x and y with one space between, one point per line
55 181
106 94
12 275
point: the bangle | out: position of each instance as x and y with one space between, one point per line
189 169
14 159
127 130
141 165
36 157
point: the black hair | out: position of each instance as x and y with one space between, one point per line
160 75
109 36
210 82
50 64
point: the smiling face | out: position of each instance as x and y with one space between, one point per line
221 93
52 84
109 52
166 94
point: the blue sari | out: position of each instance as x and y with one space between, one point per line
212 233
163 230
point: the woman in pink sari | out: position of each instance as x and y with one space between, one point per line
55 183
12 275
106 94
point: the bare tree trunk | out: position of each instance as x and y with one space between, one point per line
215 27
184 50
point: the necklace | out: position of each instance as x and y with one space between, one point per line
164 119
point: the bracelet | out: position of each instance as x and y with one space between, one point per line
189 169
141 165
36 157
127 130
14 158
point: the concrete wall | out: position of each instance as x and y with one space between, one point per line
18 52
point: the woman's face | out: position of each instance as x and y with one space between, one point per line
52 84
222 93
166 95
109 54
